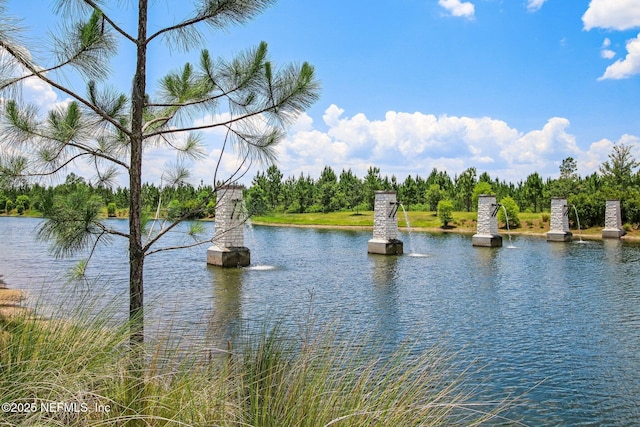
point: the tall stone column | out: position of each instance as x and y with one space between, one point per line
228 248
385 225
487 232
613 221
559 226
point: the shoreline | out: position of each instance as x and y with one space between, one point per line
576 236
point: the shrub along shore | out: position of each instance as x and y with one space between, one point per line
535 224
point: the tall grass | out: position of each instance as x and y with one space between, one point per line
267 379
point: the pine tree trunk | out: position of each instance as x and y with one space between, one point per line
136 253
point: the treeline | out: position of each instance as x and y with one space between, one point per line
617 178
181 201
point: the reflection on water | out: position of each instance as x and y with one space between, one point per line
555 324
225 316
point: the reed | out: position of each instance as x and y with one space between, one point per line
267 378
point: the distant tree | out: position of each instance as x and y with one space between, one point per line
464 185
433 195
273 186
617 172
484 177
482 187
513 212
409 192
567 184
533 190
22 203
352 188
372 183
445 212
304 191
257 200
328 191
111 210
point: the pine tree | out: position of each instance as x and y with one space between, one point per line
250 98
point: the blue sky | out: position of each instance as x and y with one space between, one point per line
508 86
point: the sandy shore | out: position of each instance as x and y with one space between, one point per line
10 301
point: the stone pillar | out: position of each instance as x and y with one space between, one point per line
228 248
613 221
385 225
559 227
487 233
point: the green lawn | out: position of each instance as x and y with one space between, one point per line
461 220
531 223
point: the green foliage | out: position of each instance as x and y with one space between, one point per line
464 185
590 207
257 201
111 209
513 212
617 172
433 195
630 207
73 224
23 202
533 191
445 212
482 187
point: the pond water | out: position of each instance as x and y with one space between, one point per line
556 325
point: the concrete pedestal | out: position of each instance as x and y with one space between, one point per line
559 236
613 221
385 247
559 226
487 234
487 240
232 257
613 233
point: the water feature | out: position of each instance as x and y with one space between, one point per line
554 326
228 249
613 221
506 216
559 225
575 210
487 230
385 225
412 247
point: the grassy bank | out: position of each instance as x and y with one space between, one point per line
61 372
463 222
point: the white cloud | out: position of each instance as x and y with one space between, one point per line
612 14
535 5
539 149
409 143
605 52
627 67
458 8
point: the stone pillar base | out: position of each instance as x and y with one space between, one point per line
613 233
559 236
228 257
487 240
385 247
